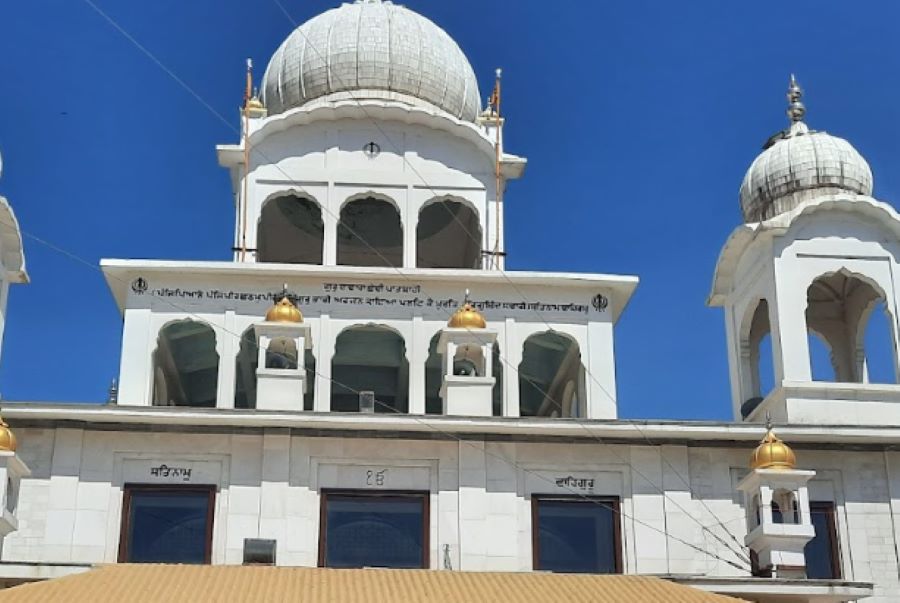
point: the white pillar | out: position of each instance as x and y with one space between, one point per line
418 354
511 352
331 212
409 218
136 365
227 345
602 366
324 350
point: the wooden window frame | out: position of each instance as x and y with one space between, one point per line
425 497
829 508
613 503
128 491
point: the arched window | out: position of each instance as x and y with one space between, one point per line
370 234
290 231
248 361
840 307
550 362
434 377
186 365
370 358
448 235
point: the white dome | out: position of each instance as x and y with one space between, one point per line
371 49
799 167
800 164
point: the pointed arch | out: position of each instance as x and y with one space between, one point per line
550 361
370 232
290 229
840 305
186 365
448 234
370 357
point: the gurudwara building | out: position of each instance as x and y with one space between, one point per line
365 385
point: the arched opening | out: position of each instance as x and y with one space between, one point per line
370 358
784 507
370 234
756 344
550 362
248 360
448 235
840 308
186 365
290 231
434 377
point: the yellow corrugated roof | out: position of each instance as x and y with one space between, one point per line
193 583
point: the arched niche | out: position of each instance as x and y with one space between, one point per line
370 358
370 233
551 377
434 376
448 235
840 306
247 362
290 230
186 365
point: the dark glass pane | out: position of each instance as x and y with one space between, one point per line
576 536
820 550
168 527
374 532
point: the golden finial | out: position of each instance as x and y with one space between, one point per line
284 310
772 453
467 317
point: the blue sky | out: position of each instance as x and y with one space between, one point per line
638 119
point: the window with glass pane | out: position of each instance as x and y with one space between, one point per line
822 551
374 530
576 535
163 524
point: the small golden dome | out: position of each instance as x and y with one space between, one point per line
284 311
467 317
7 437
772 453
255 103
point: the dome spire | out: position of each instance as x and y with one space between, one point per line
796 109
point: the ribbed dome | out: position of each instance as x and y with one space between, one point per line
371 49
801 164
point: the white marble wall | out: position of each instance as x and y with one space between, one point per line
480 496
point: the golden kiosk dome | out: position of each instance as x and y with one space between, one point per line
284 311
772 453
467 317
7 437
